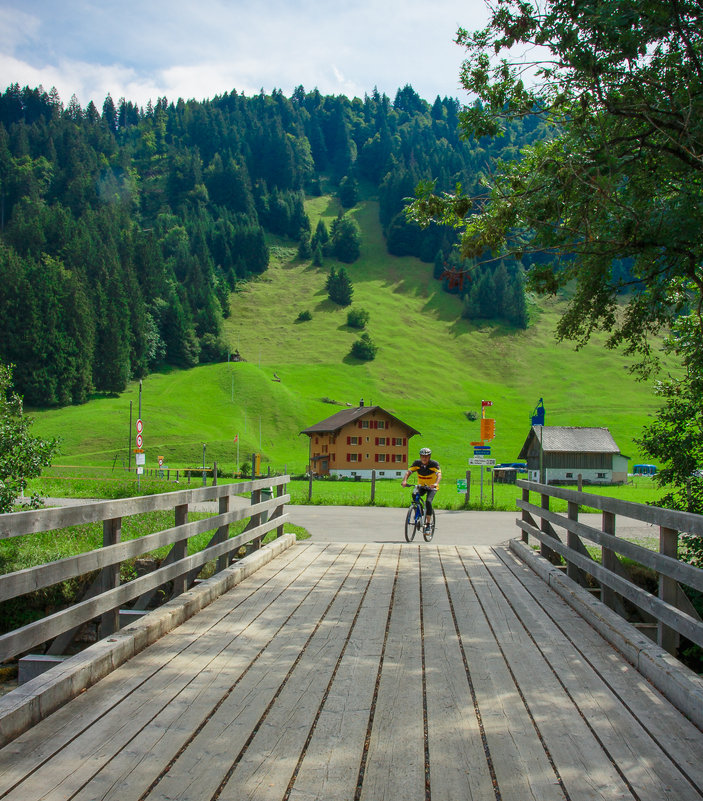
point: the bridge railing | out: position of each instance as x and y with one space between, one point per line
107 596
670 609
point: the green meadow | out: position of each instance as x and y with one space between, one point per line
432 368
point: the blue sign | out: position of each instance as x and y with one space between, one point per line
538 414
483 450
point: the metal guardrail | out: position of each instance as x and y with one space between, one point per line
670 609
107 596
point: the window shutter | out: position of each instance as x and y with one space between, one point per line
359 424
359 457
405 441
348 440
376 440
376 458
349 457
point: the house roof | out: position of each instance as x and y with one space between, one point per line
337 421
571 439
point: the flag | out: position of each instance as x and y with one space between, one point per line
486 403
236 437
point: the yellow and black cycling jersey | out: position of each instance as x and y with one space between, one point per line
426 473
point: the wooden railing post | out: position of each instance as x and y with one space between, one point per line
281 490
545 550
223 532
608 559
526 517
572 540
110 576
467 497
373 485
255 519
667 638
180 549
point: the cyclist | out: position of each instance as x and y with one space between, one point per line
428 477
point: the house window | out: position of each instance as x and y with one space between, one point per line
364 424
381 424
601 475
353 440
397 457
569 475
353 457
398 442
381 440
380 457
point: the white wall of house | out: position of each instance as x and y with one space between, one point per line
601 476
366 474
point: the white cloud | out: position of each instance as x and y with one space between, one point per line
183 49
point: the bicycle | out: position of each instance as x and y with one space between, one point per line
415 518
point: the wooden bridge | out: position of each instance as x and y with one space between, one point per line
368 671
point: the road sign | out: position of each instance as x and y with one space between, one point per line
139 440
141 458
482 460
461 485
483 450
140 426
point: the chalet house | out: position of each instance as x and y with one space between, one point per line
356 441
568 451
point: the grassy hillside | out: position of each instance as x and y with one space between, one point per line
432 367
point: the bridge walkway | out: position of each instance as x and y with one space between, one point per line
369 671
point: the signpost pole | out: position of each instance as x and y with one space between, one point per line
139 445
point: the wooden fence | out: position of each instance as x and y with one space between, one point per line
107 596
670 610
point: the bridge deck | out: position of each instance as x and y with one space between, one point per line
369 672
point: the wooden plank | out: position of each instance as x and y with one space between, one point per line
269 761
458 765
33 578
681 521
395 763
15 524
187 748
669 566
522 767
33 634
582 724
679 621
175 652
657 719
331 763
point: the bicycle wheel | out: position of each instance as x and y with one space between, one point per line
429 534
410 525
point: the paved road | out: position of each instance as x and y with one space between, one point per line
383 524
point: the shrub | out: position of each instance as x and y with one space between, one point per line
364 348
357 318
304 316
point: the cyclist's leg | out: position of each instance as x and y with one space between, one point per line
428 506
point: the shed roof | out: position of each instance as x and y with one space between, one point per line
571 439
337 421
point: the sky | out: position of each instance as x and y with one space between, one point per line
200 48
